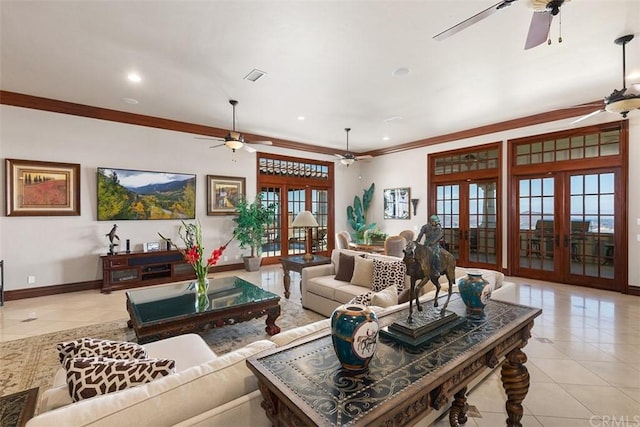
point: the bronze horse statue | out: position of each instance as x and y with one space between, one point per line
419 261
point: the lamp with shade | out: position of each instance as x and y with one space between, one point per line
306 220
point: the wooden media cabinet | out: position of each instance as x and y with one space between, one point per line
136 269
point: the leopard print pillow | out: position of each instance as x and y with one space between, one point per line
388 273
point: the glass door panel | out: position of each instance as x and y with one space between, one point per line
536 204
271 245
320 210
296 202
482 235
591 237
448 209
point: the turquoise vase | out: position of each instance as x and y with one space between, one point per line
474 291
354 330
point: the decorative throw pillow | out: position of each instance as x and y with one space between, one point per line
93 376
385 298
345 268
364 299
388 273
362 272
91 347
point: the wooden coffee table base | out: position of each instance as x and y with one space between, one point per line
203 322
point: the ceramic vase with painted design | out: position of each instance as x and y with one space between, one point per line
475 292
354 331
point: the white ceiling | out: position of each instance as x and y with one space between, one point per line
329 61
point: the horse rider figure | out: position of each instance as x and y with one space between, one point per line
433 234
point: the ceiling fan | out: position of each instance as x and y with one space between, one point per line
543 13
348 158
618 101
234 140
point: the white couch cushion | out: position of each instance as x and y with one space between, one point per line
284 338
187 350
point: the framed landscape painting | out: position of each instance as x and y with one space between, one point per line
37 188
125 194
223 193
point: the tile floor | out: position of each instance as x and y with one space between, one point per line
584 355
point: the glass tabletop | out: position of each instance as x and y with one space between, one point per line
178 300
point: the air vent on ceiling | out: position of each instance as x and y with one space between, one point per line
254 75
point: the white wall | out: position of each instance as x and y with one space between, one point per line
66 249
59 250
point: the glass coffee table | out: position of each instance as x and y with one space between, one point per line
163 311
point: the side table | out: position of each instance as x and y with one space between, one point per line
296 263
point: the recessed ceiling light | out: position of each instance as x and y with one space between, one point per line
130 101
401 72
134 77
300 118
385 138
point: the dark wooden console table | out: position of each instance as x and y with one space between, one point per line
296 263
304 384
135 269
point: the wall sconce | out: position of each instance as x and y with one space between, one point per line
414 202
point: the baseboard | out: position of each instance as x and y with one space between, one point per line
634 290
42 291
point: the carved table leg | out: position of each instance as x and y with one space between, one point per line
515 380
459 407
272 315
287 282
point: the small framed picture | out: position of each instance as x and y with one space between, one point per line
152 246
36 188
223 193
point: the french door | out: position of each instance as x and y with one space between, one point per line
295 185
569 224
469 218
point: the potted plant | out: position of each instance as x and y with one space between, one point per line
251 224
375 236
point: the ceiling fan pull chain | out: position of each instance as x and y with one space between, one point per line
560 26
549 32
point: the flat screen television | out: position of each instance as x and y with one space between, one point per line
125 194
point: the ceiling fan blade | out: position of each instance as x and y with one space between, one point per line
538 29
259 142
587 116
209 138
365 156
340 156
470 21
219 145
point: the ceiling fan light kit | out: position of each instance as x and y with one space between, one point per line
619 101
349 158
234 140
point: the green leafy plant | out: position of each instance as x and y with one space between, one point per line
357 214
375 234
251 222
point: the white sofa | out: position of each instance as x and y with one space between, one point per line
206 390
322 293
